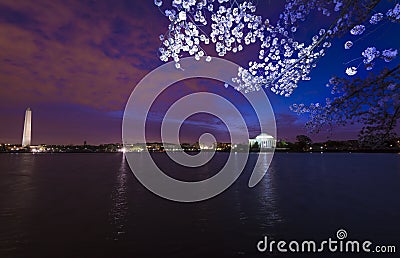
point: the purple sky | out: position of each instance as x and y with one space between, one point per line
75 63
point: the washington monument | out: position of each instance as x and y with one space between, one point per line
26 137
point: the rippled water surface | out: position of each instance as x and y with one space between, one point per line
91 205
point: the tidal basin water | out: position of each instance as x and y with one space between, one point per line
91 205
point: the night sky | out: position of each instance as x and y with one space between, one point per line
75 63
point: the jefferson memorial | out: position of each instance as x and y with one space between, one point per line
264 140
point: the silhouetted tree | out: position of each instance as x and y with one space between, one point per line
373 102
255 147
303 142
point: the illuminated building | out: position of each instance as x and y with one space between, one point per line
264 141
26 137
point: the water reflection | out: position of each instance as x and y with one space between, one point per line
17 193
119 210
267 195
257 208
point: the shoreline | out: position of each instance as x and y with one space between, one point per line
276 151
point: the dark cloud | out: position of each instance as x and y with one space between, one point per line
78 52
20 18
